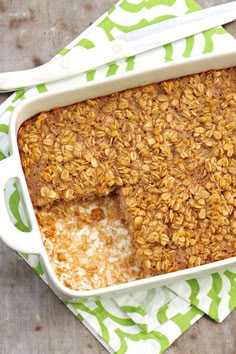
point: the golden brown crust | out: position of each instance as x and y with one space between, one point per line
168 149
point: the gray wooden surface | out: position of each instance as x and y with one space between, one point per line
32 319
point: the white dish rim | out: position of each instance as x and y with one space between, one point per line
12 167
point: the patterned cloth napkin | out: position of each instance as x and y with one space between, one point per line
146 321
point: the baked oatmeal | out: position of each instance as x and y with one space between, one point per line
87 244
194 226
167 149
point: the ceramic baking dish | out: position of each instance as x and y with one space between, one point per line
31 242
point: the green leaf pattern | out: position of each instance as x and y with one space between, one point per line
143 320
17 210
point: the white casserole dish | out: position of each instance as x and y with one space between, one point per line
31 242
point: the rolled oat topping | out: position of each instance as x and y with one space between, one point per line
167 149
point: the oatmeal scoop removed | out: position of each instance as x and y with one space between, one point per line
169 151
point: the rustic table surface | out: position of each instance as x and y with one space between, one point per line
32 318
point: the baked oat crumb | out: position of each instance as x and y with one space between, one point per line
97 214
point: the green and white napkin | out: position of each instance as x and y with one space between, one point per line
145 321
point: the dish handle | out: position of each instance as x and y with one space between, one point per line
25 242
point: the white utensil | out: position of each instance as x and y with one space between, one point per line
127 45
